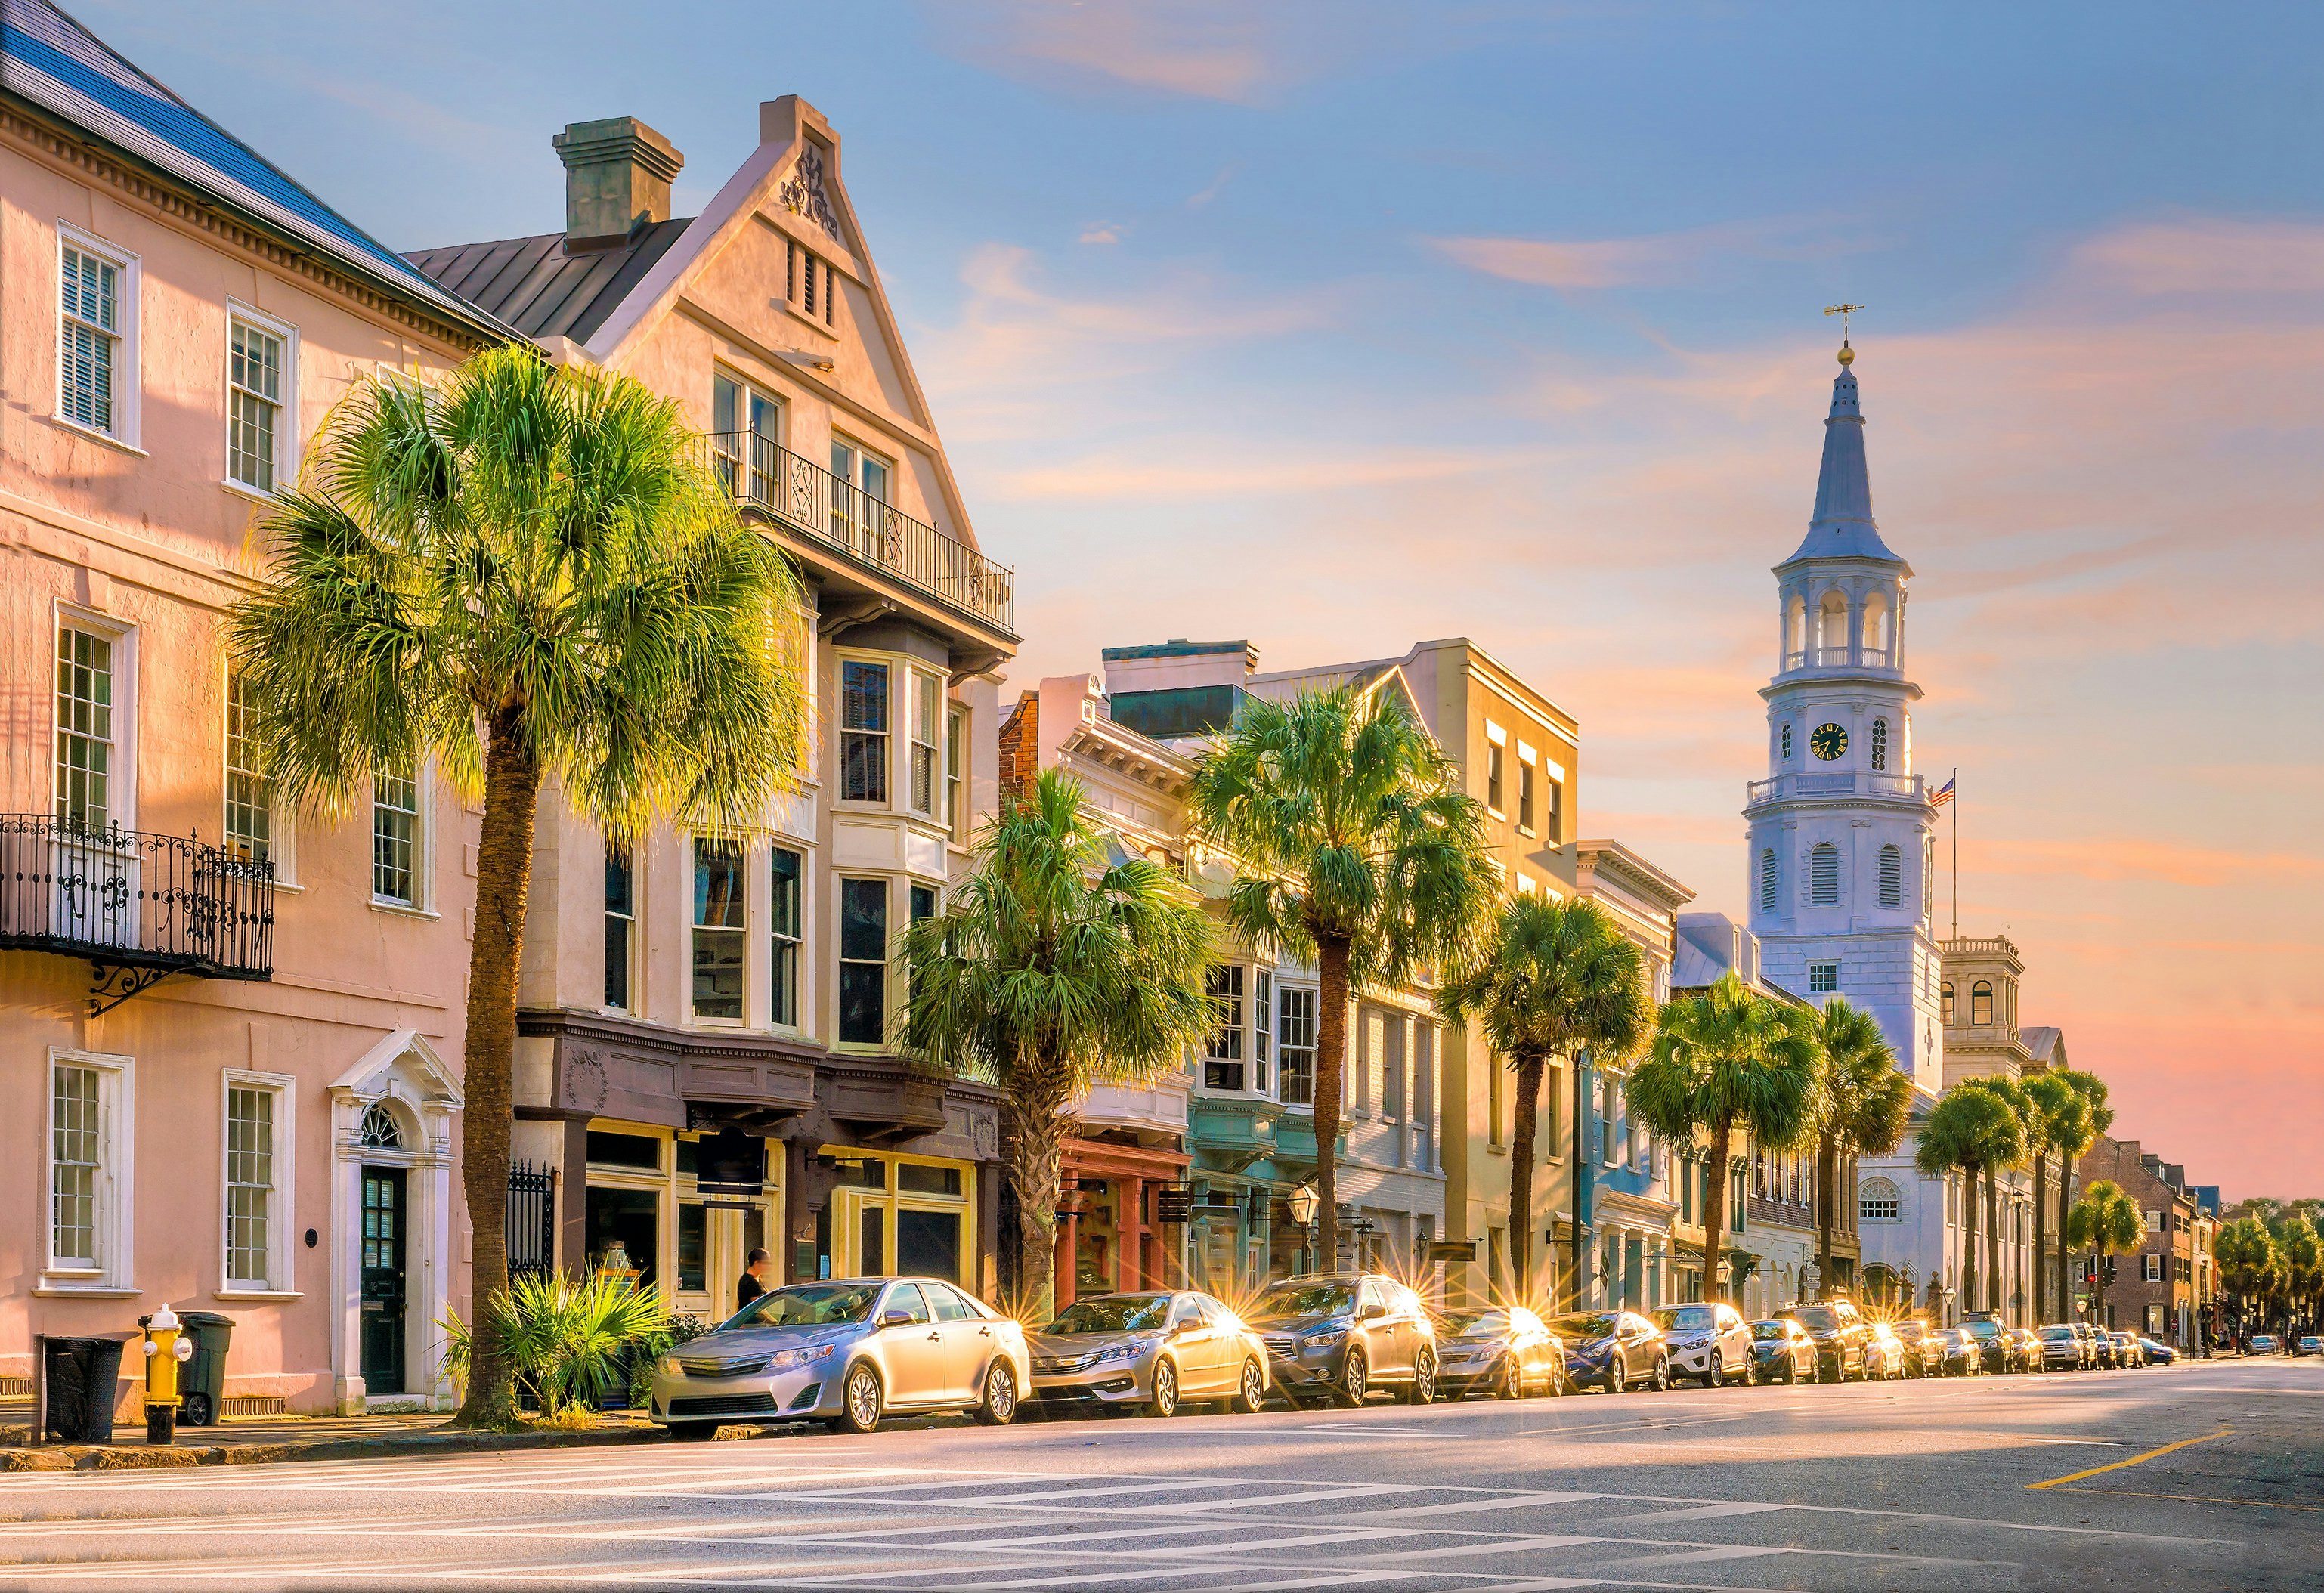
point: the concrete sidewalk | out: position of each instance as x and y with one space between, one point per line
258 1440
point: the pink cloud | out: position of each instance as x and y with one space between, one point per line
1650 259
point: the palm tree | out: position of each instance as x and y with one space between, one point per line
1861 1104
2106 1220
2057 1119
526 576
1355 846
1722 1060
1552 979
2097 1116
1963 1132
2244 1254
2006 1148
1049 970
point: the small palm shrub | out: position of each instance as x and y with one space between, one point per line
569 1340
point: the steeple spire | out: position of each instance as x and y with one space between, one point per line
1842 526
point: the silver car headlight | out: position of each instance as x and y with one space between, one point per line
1116 1352
783 1360
1328 1336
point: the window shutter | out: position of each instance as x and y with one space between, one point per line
1892 877
1823 875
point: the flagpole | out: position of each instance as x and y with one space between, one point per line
1955 805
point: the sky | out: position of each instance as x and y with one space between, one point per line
1341 326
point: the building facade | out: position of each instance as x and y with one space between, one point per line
707 1061
233 1031
2157 1288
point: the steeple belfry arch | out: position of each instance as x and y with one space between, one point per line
1839 861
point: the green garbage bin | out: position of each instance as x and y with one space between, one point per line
201 1381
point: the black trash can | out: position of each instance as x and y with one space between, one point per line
79 1380
201 1381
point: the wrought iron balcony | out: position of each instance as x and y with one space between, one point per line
139 908
763 475
1836 782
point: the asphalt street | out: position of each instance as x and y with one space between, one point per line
2199 1476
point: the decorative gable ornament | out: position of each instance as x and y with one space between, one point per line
802 192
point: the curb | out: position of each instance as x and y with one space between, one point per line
124 1458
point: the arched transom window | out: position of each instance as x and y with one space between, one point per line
380 1131
1980 1003
1877 1202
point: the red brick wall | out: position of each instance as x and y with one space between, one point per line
1020 745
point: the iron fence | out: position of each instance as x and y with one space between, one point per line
127 899
531 1223
762 474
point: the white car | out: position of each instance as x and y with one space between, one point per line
1711 1342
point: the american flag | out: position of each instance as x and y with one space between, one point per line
1942 794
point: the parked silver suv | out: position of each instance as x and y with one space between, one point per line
1342 1336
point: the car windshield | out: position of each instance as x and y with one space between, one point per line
1582 1324
1113 1313
1477 1324
1820 1318
1768 1330
1684 1319
808 1305
1982 1329
1910 1329
1304 1299
2057 1332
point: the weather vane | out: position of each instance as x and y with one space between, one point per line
1846 354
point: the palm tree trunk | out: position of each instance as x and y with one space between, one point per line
1579 1194
2038 1263
2065 1278
1827 1174
1996 1301
1529 1115
1969 1236
1714 1209
1033 1124
1331 1071
503 875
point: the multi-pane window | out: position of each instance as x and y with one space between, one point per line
1824 978
249 1182
859 516
744 427
922 904
1877 1202
395 835
1553 828
927 725
254 420
956 810
862 731
1892 877
1223 1066
1767 880
1980 1004
863 961
620 926
1945 997
84 729
1823 875
1493 776
786 931
1262 1028
1879 743
719 924
249 803
76 1142
1294 1036
1525 793
89 337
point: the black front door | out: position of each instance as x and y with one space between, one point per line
383 1279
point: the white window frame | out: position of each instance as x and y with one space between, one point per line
1820 968
893 667
281 833
282 1216
749 480
286 436
1226 1044
802 972
423 847
109 1270
1529 788
695 927
955 752
1497 743
1312 1025
121 778
886 962
634 918
924 744
126 387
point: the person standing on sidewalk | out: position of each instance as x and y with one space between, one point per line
754 1281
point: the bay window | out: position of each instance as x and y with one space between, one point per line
720 921
862 731
863 961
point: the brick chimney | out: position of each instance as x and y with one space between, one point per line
617 175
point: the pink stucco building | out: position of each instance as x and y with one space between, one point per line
267 1128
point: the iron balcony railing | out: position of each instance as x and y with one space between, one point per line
1836 782
762 474
137 905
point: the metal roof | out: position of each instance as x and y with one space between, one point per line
54 62
543 291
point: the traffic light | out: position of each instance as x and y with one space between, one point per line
2109 1271
2089 1273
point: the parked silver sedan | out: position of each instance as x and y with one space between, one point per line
846 1352
1149 1351
1503 1350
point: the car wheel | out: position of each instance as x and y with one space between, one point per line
692 1431
1250 1392
1660 1382
862 1400
1355 1380
1510 1385
1423 1380
1000 1406
1714 1374
1165 1403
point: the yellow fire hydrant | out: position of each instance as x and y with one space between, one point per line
166 1348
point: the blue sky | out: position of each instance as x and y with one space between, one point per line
1341 326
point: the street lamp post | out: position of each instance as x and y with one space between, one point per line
1302 1202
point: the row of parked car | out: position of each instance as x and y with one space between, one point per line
850 1352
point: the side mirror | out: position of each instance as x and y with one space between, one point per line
895 1318
1369 1310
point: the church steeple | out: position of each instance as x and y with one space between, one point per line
1842 526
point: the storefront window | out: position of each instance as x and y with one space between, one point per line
865 1231
693 1247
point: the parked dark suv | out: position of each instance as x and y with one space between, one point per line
1992 1348
1840 1334
1341 1336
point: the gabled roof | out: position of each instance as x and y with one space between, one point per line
537 287
52 62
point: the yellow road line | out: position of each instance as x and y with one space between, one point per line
2134 1461
2124 1493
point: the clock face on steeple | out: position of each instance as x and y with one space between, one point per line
1828 741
